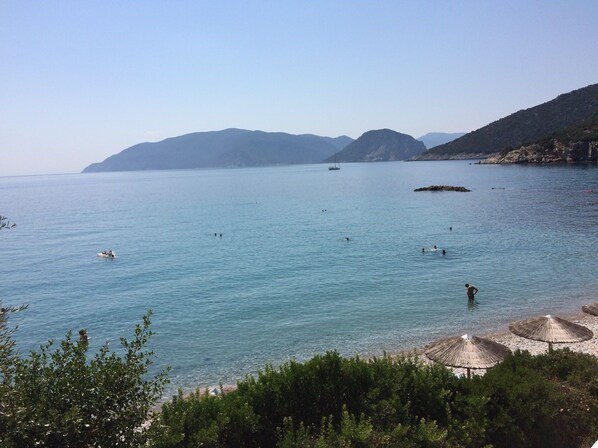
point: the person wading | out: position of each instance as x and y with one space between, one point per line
471 292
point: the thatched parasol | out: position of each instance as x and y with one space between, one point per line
470 352
591 309
550 329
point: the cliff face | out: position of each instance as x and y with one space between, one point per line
555 152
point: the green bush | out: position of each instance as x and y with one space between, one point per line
542 400
57 398
60 397
330 401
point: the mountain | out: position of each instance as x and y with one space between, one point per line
521 127
380 146
433 139
227 148
575 144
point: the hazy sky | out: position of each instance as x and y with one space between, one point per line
82 80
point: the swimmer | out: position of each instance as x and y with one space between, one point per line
423 249
83 335
346 238
443 252
451 229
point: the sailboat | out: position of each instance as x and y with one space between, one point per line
335 167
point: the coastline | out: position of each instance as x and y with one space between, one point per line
505 337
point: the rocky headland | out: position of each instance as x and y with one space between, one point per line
521 128
557 152
575 144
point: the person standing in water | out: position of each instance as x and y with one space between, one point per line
471 292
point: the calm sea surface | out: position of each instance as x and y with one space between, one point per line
281 282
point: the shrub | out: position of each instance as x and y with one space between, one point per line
59 399
541 401
330 401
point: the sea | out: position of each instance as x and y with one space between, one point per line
253 266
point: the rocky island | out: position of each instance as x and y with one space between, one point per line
442 188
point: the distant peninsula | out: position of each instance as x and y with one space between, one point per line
443 188
244 148
381 145
521 128
226 148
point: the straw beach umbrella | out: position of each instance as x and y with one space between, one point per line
550 329
591 309
469 352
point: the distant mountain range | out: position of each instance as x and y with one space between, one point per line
380 146
522 127
227 148
433 139
240 148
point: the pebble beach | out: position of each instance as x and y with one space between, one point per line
514 342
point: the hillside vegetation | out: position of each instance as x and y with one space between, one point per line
575 144
522 127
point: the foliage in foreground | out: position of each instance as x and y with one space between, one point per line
329 401
57 397
61 397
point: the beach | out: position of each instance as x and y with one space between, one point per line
514 342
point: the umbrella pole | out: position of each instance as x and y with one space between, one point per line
468 372
550 347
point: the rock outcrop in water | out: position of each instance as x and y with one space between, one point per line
442 188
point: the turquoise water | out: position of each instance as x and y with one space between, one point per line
281 282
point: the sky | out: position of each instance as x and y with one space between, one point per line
82 80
